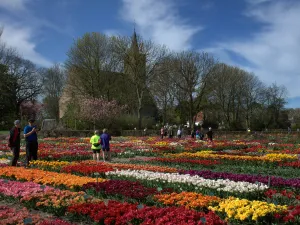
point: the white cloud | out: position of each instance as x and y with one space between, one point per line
13 5
21 34
159 21
273 52
20 38
255 2
112 32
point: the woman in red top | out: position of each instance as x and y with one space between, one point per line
14 142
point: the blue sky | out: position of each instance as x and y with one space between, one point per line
261 36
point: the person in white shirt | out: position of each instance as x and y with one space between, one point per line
179 133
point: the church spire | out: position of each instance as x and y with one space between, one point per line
134 42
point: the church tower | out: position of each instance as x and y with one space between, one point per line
135 59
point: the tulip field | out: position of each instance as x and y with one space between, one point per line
153 181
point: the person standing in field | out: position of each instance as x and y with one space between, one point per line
179 132
209 135
96 145
14 142
105 138
170 131
197 134
31 138
162 132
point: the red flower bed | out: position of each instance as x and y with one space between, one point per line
125 188
124 213
86 169
191 161
55 222
289 194
295 164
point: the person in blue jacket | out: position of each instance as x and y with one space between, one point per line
105 138
30 135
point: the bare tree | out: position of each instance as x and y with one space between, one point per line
27 78
90 66
191 71
273 104
163 88
53 83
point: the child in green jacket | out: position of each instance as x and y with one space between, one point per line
96 145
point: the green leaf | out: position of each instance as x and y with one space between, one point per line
140 206
27 221
203 220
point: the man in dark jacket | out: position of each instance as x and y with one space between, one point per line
105 138
14 142
31 141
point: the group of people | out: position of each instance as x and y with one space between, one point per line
30 135
101 142
168 131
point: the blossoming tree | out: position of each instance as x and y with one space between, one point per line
100 110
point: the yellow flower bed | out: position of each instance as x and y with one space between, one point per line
211 155
201 154
161 143
241 209
280 157
52 164
46 177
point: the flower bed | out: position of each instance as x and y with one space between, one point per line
124 213
269 180
126 189
190 200
195 182
46 177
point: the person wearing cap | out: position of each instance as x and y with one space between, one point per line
14 142
31 138
105 138
96 145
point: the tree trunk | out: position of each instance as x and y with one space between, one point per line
139 118
191 112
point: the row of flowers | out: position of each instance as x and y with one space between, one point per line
10 215
272 157
90 167
188 161
243 209
193 182
46 177
47 198
123 188
112 212
269 180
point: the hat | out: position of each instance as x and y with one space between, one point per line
17 122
